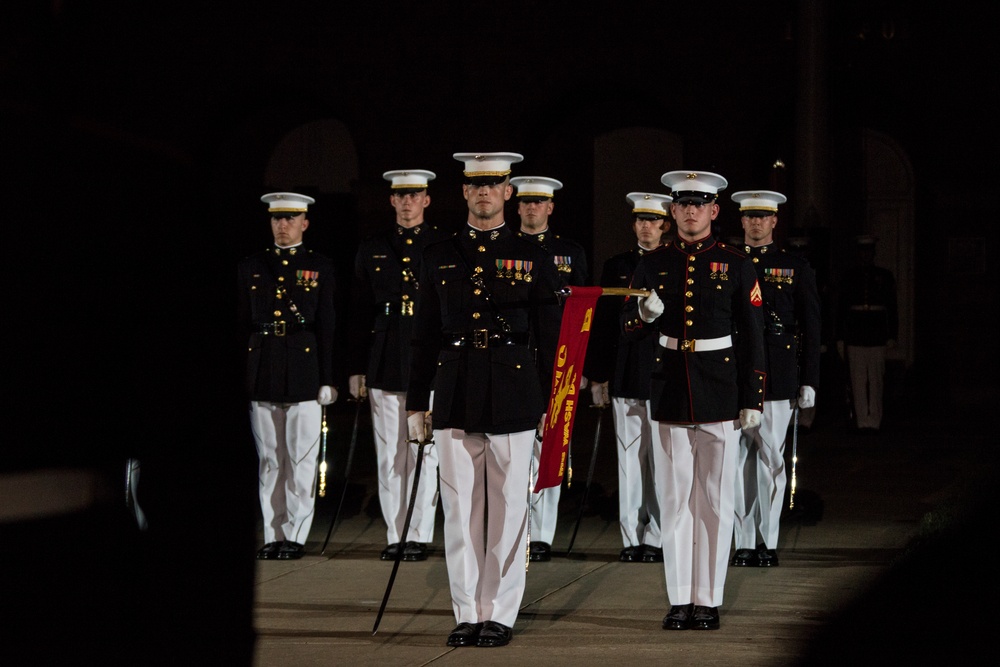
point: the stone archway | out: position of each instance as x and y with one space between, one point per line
889 194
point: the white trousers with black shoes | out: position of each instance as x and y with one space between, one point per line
288 438
761 477
638 510
397 461
695 484
484 493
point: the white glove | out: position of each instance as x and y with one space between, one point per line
327 395
356 385
540 429
418 425
807 397
650 307
599 393
583 382
749 419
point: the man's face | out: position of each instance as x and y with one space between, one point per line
288 228
757 229
649 233
694 219
486 201
535 215
410 207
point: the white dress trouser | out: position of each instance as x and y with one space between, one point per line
638 511
695 483
761 477
866 366
544 504
484 491
287 437
397 461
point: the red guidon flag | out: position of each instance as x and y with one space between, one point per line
578 314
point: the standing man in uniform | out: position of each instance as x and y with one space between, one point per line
487 306
385 289
868 323
707 383
792 317
619 372
286 312
534 206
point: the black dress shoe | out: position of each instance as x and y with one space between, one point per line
413 551
465 634
494 634
705 618
679 617
651 554
291 551
389 553
539 551
630 554
269 551
766 557
744 558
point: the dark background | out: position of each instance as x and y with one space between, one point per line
135 138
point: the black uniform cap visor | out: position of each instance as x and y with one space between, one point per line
693 197
485 180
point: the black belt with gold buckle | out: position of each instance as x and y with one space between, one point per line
484 338
280 328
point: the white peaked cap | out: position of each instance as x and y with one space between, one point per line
649 202
759 200
287 202
487 164
409 179
535 186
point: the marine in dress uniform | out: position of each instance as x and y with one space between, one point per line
619 371
707 383
487 306
286 312
792 317
867 326
535 204
384 296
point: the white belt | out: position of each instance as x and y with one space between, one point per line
696 345
36 494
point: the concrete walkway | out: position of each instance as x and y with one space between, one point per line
873 561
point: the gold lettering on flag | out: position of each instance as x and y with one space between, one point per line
574 334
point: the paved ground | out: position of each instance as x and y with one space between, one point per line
876 559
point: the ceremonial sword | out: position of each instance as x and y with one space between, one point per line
347 472
795 452
322 462
590 477
406 525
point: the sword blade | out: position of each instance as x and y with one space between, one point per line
795 454
406 529
347 473
590 477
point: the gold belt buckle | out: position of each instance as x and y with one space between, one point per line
406 309
279 328
480 338
687 346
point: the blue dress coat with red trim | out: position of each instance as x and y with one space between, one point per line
792 315
384 294
289 368
709 290
500 388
